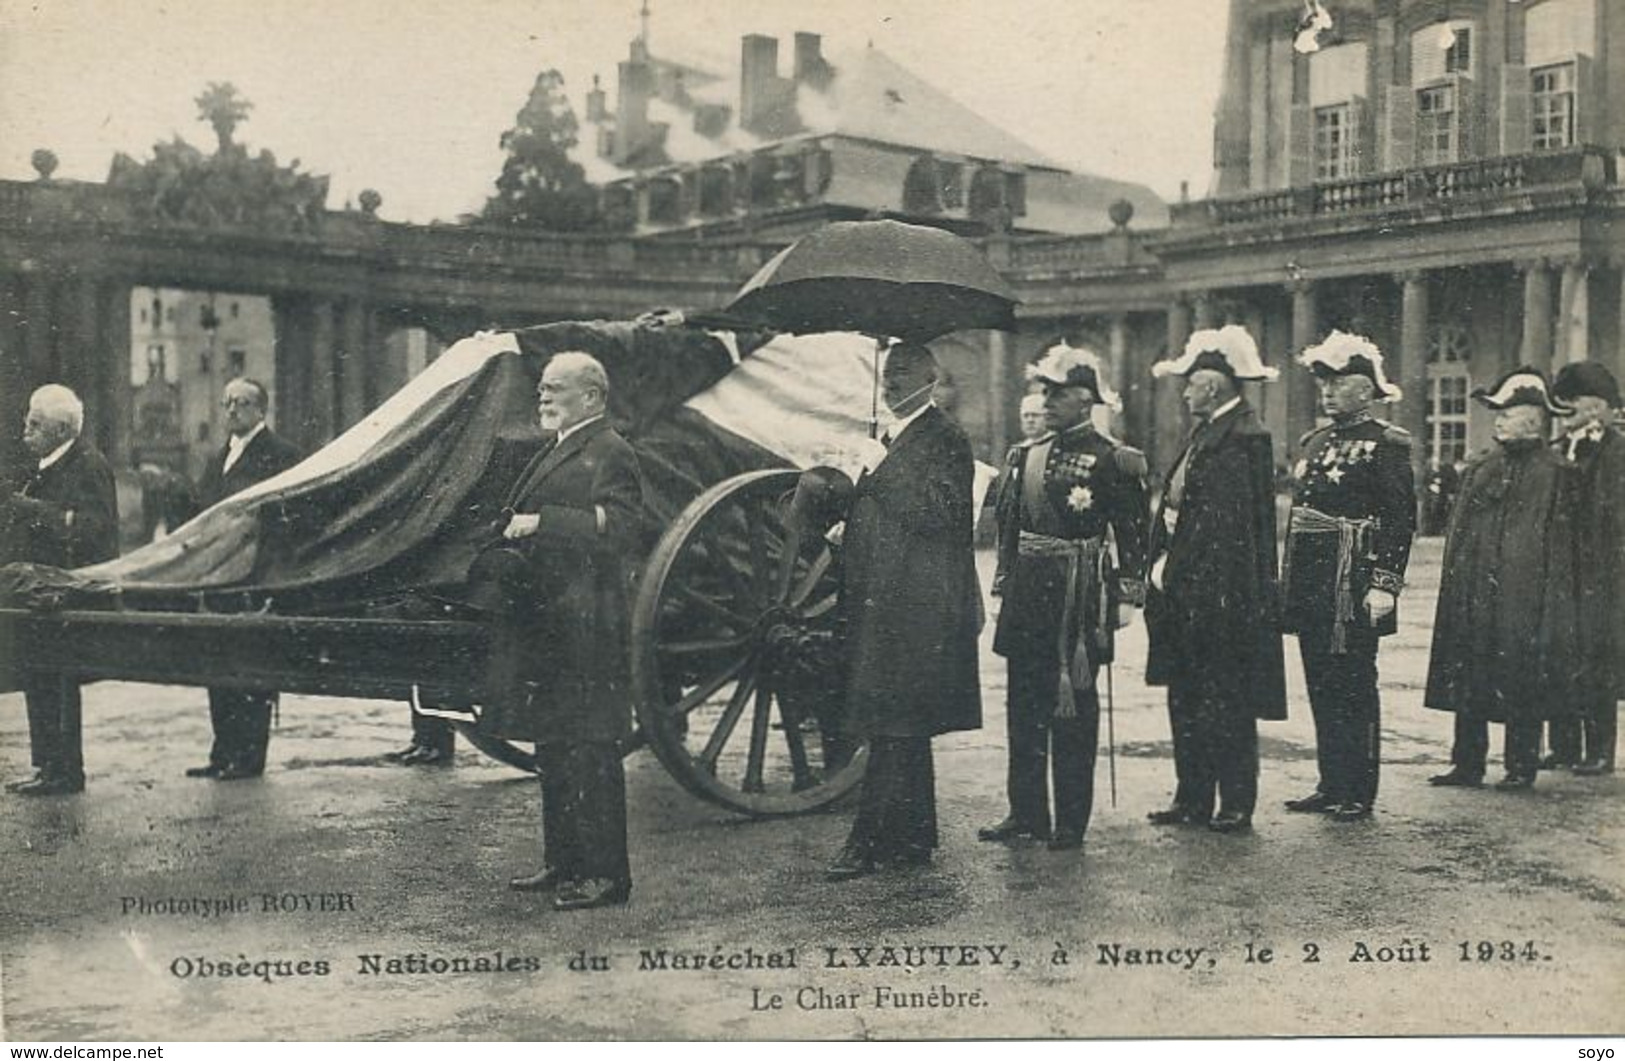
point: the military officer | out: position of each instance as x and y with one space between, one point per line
1074 513
1348 541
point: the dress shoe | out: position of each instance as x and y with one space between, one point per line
1352 811
1515 782
910 859
51 785
237 772
400 755
427 756
1315 803
1595 768
34 778
1555 762
545 881
588 894
1010 829
204 771
848 865
1230 822
1457 778
1065 842
1176 816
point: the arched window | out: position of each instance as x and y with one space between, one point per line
922 187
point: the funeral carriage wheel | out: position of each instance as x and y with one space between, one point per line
502 751
736 654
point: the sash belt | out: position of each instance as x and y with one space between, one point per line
1087 561
1353 538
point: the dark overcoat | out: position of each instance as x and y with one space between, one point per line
67 515
1216 620
1504 636
559 666
1600 518
909 589
266 454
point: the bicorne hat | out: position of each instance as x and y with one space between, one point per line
1346 354
1230 350
1521 386
1586 379
1075 366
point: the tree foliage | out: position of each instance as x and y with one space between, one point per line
539 184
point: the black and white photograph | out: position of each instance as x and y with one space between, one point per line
923 520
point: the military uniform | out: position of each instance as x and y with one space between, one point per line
1070 501
1353 518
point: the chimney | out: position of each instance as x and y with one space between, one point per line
811 70
596 109
632 109
758 77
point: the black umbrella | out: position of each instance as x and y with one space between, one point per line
880 278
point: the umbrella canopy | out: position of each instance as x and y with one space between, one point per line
882 278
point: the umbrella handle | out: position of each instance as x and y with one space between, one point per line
874 395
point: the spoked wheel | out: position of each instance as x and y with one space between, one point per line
736 654
502 751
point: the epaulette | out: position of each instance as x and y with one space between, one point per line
1130 461
1311 433
1395 433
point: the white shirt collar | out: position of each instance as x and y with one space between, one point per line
56 454
237 443
1225 408
898 425
566 432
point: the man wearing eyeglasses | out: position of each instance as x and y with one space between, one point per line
242 717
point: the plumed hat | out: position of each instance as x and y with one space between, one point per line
1345 354
1230 350
1075 366
1521 386
1586 379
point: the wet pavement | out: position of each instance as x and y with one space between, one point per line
339 897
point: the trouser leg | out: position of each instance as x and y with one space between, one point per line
596 808
1192 758
1313 652
432 732
221 725
1470 750
897 804
1522 748
1236 746
1076 744
253 728
1031 701
55 739
1601 728
1564 736
559 848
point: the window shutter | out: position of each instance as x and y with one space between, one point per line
1300 148
1466 119
1587 129
1515 115
1399 139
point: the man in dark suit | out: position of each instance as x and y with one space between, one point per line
242 717
1348 543
560 667
1212 611
913 611
1506 630
1592 443
65 515
1072 514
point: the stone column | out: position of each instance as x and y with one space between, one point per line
1168 413
322 414
1203 313
1537 315
1574 324
1301 396
39 341
116 396
1117 360
1000 374
352 363
1616 364
1412 371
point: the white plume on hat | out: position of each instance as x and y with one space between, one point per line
1062 363
1233 343
1339 348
